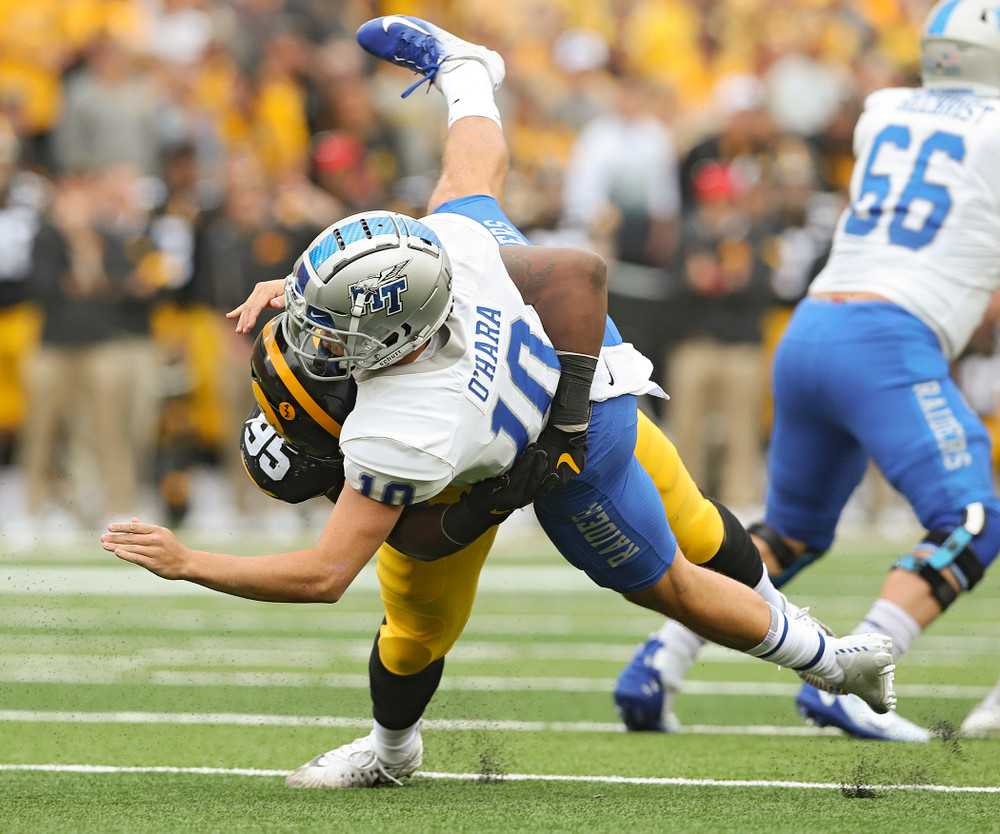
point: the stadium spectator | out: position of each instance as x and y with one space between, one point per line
717 367
22 200
341 166
112 113
621 198
249 240
91 386
743 136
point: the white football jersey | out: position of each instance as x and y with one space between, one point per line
923 225
463 413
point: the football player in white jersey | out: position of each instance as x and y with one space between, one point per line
862 372
455 378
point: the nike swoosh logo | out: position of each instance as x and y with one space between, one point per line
567 458
827 698
498 512
388 20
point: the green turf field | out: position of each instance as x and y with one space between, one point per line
133 704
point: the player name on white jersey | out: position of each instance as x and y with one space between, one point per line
923 225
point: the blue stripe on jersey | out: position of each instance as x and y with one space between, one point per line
940 19
486 211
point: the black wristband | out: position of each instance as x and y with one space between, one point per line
571 402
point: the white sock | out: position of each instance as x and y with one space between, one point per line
684 646
394 746
771 594
796 645
885 617
469 92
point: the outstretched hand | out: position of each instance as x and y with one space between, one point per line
266 295
147 545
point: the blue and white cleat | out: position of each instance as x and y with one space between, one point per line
866 661
424 48
644 693
852 715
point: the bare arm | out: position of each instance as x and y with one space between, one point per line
568 288
355 530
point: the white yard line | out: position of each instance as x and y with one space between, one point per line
518 777
258 720
100 670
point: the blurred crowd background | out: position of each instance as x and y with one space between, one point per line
159 157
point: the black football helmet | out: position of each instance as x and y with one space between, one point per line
305 411
282 471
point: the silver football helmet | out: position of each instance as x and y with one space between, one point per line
368 291
960 47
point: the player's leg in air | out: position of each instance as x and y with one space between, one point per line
708 534
610 523
426 603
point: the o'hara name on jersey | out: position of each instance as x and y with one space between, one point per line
948 432
486 350
962 108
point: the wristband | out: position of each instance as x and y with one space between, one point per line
571 402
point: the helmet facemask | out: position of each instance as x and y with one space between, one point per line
367 292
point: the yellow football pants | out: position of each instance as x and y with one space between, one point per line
427 604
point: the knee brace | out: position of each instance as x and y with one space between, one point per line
737 556
941 549
789 562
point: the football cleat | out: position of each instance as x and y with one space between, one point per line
984 720
793 612
645 693
354 765
868 670
424 48
850 714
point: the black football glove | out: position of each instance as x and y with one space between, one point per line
489 502
565 457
